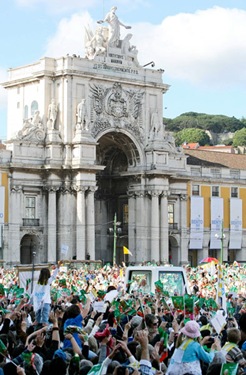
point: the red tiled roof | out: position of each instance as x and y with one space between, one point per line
190 146
216 159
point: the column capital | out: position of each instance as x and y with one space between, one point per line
92 189
131 193
51 188
154 193
66 190
16 189
79 188
165 193
140 193
183 197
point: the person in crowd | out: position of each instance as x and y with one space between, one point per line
189 351
41 297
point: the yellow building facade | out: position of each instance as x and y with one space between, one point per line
217 184
3 206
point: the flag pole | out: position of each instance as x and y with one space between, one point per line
115 238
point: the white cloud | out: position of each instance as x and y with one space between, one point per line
205 48
69 37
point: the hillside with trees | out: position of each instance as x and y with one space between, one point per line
191 127
213 123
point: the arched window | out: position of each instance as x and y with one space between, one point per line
34 107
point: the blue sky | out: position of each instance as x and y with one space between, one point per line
199 43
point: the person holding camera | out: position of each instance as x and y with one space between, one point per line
189 351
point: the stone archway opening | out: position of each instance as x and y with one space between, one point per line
28 249
119 154
173 251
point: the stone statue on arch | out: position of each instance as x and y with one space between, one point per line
82 116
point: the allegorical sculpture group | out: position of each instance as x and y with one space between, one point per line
107 40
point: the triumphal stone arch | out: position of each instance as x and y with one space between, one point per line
93 155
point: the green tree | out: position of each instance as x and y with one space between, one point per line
214 123
192 135
239 138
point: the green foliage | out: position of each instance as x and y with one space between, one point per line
214 123
239 138
192 135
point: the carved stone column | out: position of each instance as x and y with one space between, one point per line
164 230
14 224
80 223
141 228
155 225
66 222
90 222
52 225
132 224
183 255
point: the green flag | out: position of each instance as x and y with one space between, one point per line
159 286
189 304
95 370
2 291
178 302
3 348
27 356
229 369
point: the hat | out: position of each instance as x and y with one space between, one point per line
61 354
84 363
136 320
191 329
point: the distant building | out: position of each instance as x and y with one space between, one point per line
216 148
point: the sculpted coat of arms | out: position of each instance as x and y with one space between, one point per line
116 107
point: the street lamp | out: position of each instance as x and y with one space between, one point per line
115 230
221 237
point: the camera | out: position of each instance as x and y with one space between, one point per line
211 340
113 331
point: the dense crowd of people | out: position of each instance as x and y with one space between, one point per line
83 321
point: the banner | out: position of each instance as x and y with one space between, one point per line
235 223
196 223
217 214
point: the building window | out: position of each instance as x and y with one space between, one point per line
234 192
125 214
195 190
30 207
170 213
235 173
215 191
216 172
34 107
18 90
